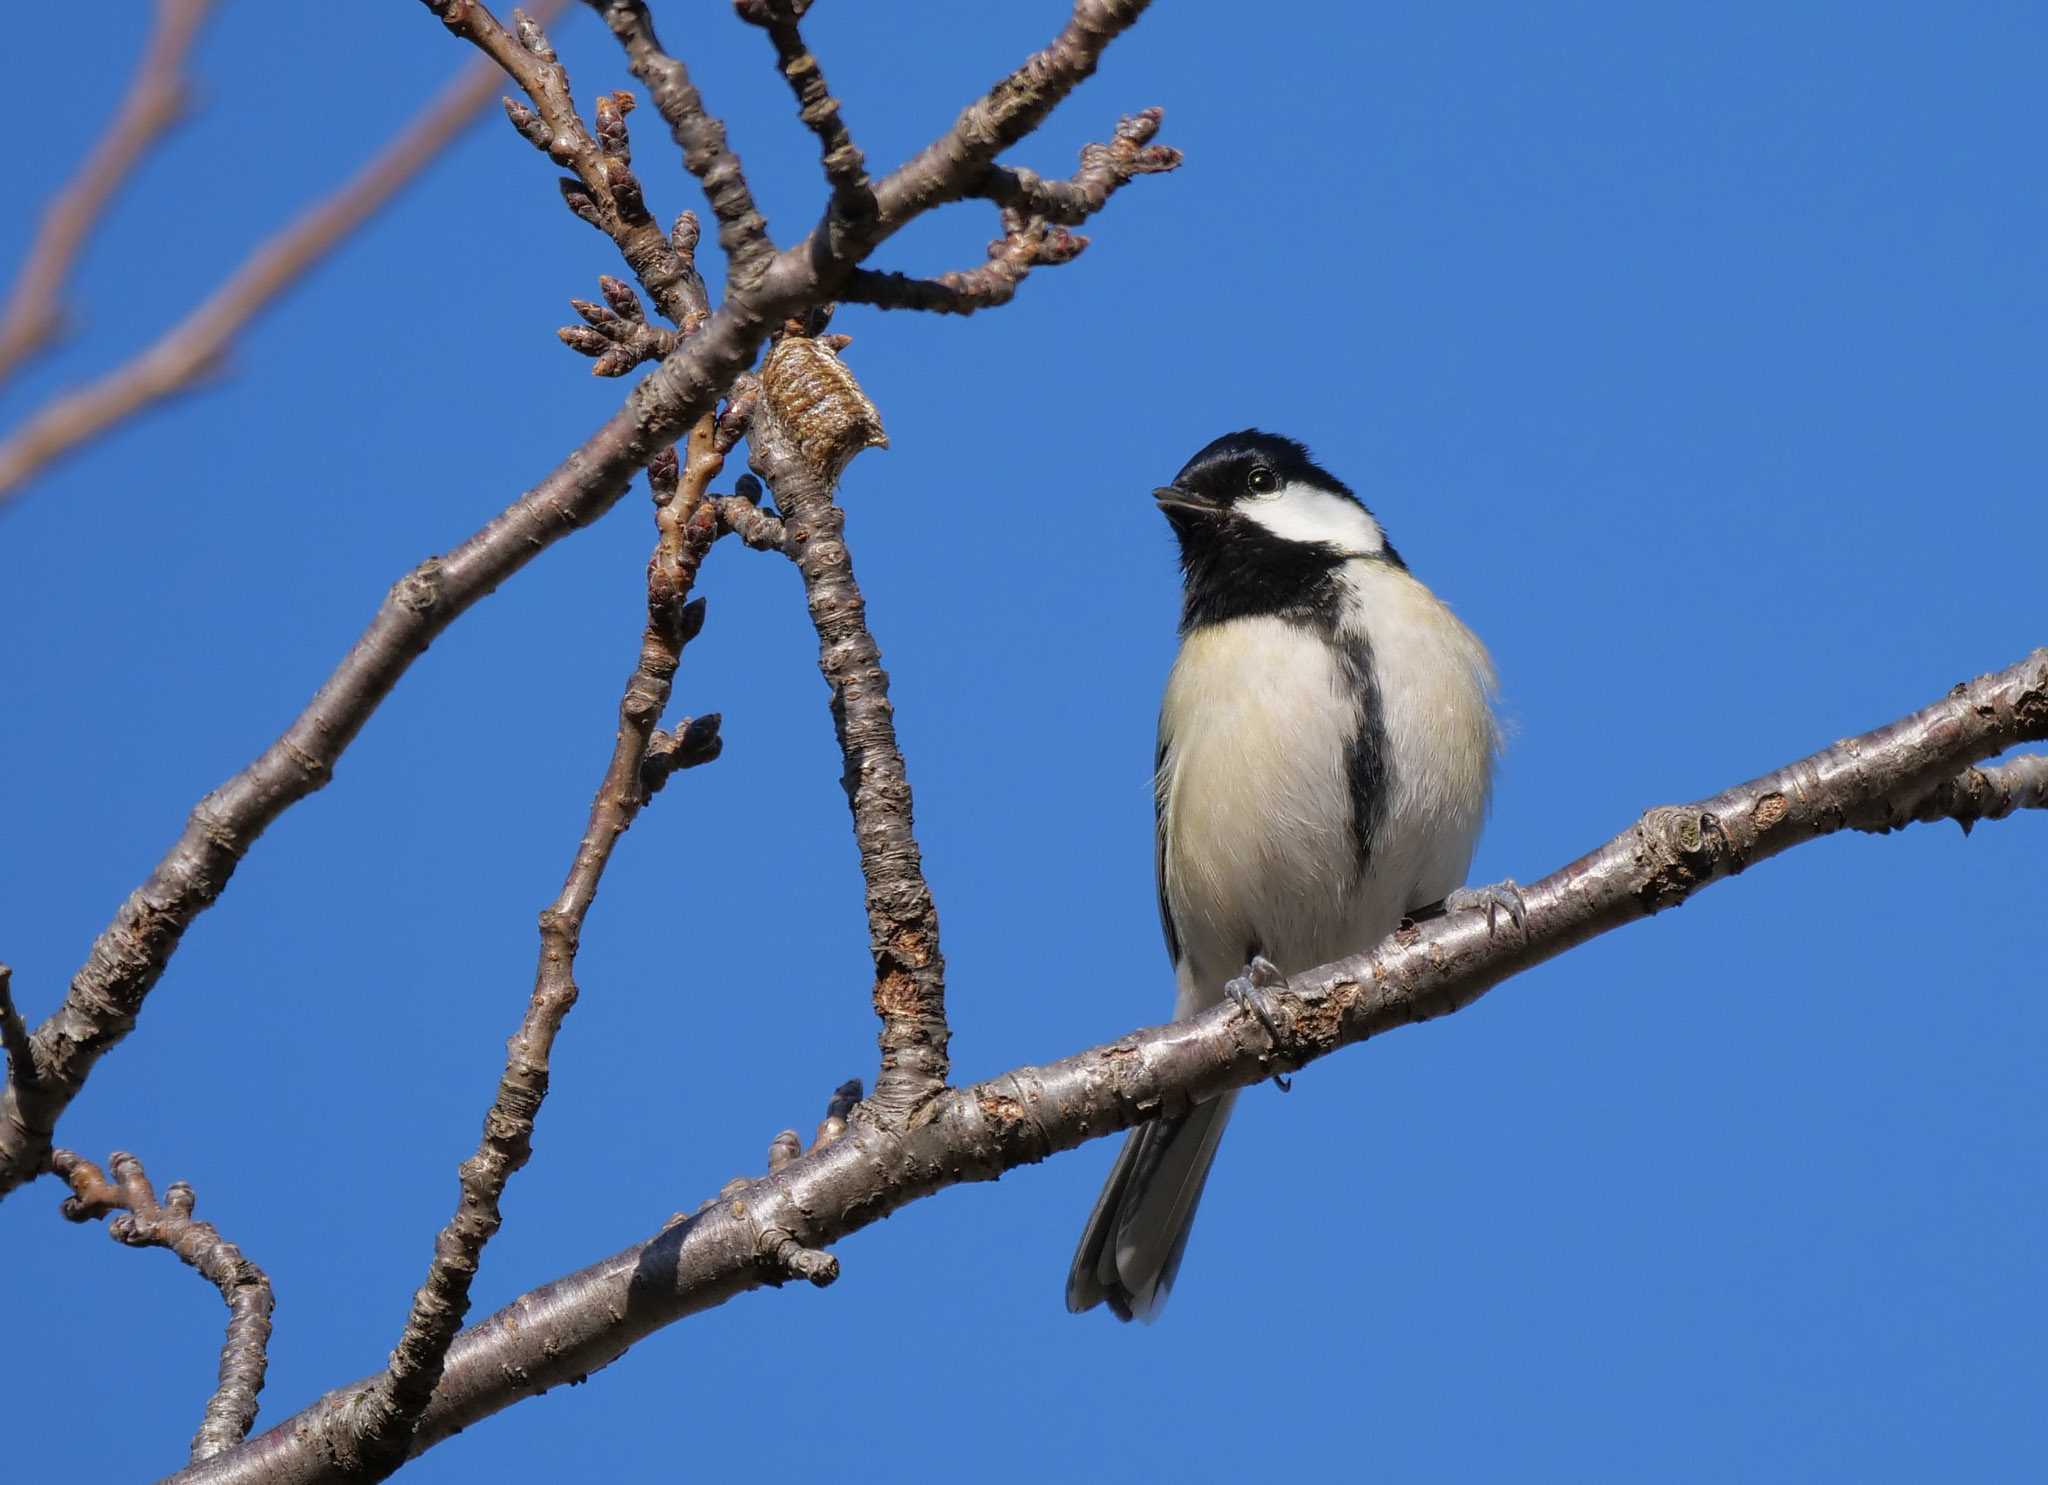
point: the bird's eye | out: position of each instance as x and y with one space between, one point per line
1262 480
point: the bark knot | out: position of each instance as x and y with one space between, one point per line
1768 811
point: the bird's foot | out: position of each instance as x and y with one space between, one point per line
1248 993
1500 897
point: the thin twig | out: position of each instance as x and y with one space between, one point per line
1105 170
903 922
1035 214
956 164
566 1329
1024 245
686 527
146 1223
853 195
155 102
752 525
186 353
742 232
605 192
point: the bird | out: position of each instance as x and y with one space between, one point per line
1326 751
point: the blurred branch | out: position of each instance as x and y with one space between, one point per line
813 418
129 956
155 101
146 1223
686 526
565 1330
191 349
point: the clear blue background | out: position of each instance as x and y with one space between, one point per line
1698 360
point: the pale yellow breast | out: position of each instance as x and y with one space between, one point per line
1256 798
1256 787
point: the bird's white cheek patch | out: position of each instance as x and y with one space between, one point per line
1297 512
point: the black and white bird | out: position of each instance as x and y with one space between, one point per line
1326 751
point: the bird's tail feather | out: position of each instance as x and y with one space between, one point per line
1133 1243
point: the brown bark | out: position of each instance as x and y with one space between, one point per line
903 921
147 1223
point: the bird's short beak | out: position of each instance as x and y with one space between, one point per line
1173 497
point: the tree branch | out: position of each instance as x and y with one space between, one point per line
1035 214
742 232
686 526
853 195
563 1331
156 99
956 164
812 418
605 192
1024 245
25 1102
244 1354
1985 793
129 956
1105 170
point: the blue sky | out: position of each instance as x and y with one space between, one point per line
1696 358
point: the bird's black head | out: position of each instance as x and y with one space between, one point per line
1264 529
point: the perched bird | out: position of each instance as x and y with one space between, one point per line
1326 749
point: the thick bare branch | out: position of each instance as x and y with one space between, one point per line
798 443
147 1223
190 350
566 1330
742 232
156 99
686 526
